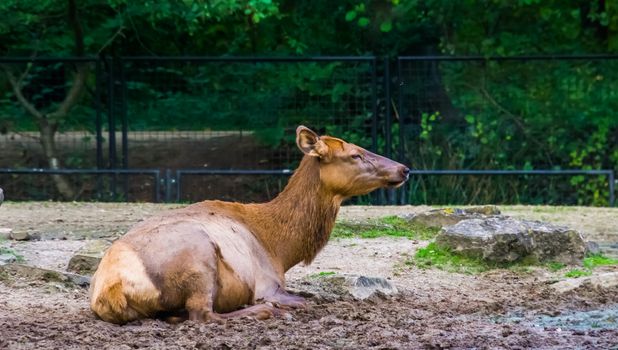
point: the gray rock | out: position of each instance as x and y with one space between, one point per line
504 239
439 218
20 236
355 286
7 259
600 281
592 248
87 259
5 233
46 275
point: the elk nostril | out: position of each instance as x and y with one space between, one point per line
405 171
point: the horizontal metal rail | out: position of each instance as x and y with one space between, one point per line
282 59
609 173
509 58
48 59
155 173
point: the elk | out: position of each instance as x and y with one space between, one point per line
215 260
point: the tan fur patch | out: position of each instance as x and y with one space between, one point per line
121 290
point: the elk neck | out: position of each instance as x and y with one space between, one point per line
297 224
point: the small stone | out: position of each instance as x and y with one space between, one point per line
358 287
7 259
592 248
87 259
20 236
5 232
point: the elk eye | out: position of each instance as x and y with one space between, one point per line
357 156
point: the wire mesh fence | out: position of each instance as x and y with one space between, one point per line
213 115
513 113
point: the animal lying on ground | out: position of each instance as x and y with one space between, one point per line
209 260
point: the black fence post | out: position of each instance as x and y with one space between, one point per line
125 137
111 123
99 126
374 106
388 124
400 113
612 189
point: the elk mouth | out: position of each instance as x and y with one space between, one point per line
395 184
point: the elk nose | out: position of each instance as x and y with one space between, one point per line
405 171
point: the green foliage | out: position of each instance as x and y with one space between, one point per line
576 273
322 274
9 251
599 260
555 266
495 114
435 256
393 226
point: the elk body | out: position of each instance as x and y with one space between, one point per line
208 260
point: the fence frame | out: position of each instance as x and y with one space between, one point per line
155 173
107 78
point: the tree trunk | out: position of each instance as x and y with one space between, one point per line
48 142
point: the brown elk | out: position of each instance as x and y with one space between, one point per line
208 260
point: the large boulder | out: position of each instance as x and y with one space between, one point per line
503 239
443 217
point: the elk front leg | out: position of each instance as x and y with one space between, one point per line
281 298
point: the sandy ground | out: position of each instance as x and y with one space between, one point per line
493 310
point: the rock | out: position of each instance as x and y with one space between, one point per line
87 259
450 216
504 239
603 280
46 275
359 287
592 248
5 233
7 259
20 236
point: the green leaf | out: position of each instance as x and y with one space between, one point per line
386 26
363 21
350 15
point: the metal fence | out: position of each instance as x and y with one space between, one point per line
193 128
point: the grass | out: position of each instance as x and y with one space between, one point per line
599 260
444 259
555 266
434 256
590 263
322 274
9 251
576 273
392 226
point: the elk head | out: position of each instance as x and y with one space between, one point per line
349 170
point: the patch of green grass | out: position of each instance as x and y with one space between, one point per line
590 263
393 226
599 260
322 274
576 273
9 251
444 259
555 266
435 256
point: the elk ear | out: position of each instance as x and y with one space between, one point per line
309 142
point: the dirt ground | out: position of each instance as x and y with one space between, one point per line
497 309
